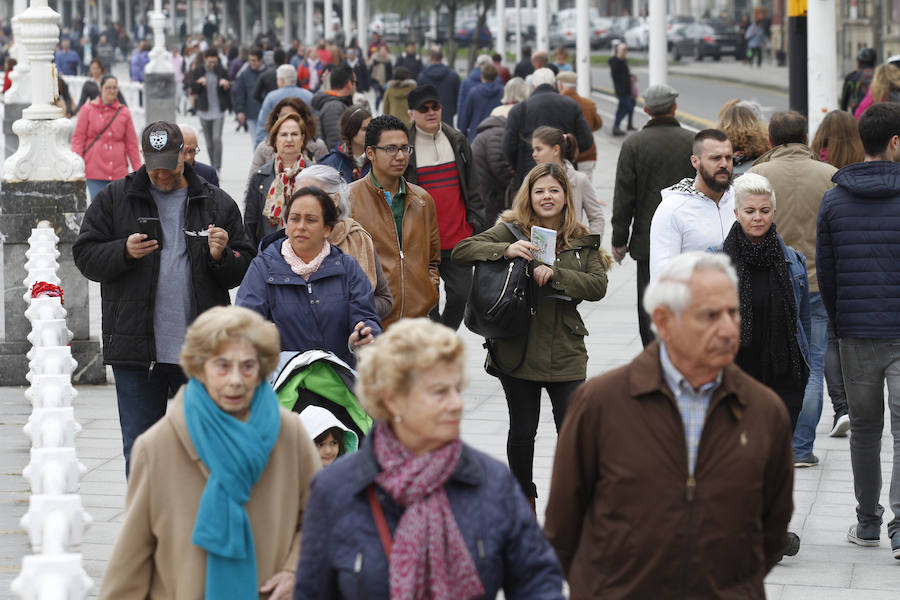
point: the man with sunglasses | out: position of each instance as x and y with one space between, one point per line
401 219
442 164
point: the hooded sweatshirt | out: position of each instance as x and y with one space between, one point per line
687 220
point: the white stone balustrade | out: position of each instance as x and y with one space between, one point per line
56 519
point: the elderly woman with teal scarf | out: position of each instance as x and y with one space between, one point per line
218 487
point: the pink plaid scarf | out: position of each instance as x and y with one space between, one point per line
429 559
297 265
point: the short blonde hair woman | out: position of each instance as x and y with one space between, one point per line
452 523
552 355
219 485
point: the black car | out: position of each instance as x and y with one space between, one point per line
700 40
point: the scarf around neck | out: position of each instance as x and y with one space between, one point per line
780 322
236 453
281 189
298 265
429 558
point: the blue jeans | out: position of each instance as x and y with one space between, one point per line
867 364
142 396
251 127
805 433
94 186
625 109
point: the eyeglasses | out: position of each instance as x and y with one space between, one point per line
393 150
192 151
435 106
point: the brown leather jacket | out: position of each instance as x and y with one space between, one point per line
411 272
594 121
626 519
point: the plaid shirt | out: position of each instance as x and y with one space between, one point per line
691 404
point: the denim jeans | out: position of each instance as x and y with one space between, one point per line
625 109
251 127
867 363
834 376
805 433
94 187
142 397
524 401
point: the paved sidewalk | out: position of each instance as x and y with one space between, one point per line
827 566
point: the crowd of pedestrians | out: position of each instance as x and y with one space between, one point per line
761 258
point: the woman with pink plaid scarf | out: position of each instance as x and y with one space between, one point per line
416 513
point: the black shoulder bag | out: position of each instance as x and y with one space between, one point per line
501 302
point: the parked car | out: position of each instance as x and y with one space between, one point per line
700 40
638 37
465 33
731 38
389 26
563 29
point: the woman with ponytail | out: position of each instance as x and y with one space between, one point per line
550 145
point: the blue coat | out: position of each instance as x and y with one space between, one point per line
344 164
483 98
314 315
342 557
465 88
858 251
446 80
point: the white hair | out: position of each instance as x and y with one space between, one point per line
330 180
286 73
671 289
483 59
542 76
752 184
515 91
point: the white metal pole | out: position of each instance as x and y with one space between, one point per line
362 27
189 18
347 18
433 26
658 54
310 25
583 48
500 39
821 60
543 41
518 30
101 17
114 11
173 13
223 28
327 25
263 16
301 19
286 17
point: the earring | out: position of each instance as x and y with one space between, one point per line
398 419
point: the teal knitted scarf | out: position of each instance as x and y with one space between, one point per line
236 453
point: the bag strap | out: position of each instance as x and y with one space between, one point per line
383 532
102 131
515 231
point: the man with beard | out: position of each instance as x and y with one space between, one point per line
695 215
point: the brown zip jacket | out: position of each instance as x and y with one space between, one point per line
411 271
625 517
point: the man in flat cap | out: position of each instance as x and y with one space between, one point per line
165 246
652 159
442 164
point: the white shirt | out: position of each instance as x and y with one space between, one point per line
687 220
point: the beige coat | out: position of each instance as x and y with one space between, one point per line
799 181
154 557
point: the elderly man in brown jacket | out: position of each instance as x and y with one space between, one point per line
800 181
673 474
566 82
401 218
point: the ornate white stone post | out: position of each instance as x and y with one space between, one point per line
159 77
43 181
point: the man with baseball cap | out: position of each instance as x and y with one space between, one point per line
165 246
442 164
656 157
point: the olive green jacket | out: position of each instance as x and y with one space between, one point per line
555 341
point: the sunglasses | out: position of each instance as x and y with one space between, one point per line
435 106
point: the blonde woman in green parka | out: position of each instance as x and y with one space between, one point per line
555 357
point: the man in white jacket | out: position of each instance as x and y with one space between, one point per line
695 215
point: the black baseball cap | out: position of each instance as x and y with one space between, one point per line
422 94
161 143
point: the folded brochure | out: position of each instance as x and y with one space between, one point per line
545 240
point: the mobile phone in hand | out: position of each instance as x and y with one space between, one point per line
152 228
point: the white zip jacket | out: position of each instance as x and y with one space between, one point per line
687 220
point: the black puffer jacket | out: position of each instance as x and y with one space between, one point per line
493 170
256 226
199 90
128 287
468 179
330 108
548 107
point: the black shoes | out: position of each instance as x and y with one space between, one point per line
618 132
841 425
792 546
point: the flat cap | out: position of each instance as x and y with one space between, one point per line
658 96
569 77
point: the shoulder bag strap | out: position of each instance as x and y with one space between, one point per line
102 131
487 342
383 532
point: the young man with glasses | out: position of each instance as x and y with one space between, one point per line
401 219
442 164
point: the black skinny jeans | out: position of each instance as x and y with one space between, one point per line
523 398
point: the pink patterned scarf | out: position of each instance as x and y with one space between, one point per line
281 189
297 265
429 559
